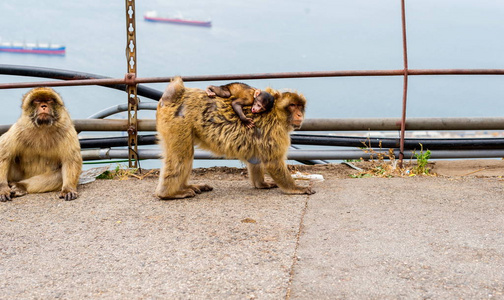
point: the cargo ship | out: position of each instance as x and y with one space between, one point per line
152 16
34 48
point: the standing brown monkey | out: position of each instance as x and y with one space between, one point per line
41 151
187 117
242 95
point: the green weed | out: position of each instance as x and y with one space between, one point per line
422 162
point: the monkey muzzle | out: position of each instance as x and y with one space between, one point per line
296 124
43 119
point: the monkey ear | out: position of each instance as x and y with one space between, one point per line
257 92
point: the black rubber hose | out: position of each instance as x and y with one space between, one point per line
72 75
343 141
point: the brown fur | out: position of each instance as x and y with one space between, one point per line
41 151
192 118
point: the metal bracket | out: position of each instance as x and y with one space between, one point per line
131 84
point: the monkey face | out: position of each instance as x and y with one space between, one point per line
44 111
257 107
43 106
263 101
296 114
294 104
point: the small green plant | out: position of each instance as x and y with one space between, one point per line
105 175
353 160
120 172
377 165
422 162
361 175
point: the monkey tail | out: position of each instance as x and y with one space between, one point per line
173 92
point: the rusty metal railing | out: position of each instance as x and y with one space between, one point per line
405 84
253 76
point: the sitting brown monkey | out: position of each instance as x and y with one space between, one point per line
243 95
41 151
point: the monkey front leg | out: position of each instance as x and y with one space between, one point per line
70 172
5 190
238 108
281 175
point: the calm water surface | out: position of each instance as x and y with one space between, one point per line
259 36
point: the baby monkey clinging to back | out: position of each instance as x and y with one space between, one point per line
241 95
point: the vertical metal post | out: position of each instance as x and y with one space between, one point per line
131 85
405 85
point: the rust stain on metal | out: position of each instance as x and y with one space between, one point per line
405 85
371 73
130 81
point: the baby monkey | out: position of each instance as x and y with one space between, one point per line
241 95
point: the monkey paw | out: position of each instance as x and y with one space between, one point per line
18 190
265 185
199 188
68 195
309 191
185 193
5 197
299 191
249 123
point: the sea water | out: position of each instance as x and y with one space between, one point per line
260 36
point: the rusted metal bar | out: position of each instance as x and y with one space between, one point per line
357 124
131 84
233 77
394 124
405 84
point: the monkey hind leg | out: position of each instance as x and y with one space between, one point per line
173 181
256 173
176 169
47 182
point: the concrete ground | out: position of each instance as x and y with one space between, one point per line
369 238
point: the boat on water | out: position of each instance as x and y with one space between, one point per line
35 48
151 16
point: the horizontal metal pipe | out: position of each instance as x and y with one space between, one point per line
329 140
121 108
116 141
115 81
112 125
371 124
296 154
357 154
409 143
359 124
